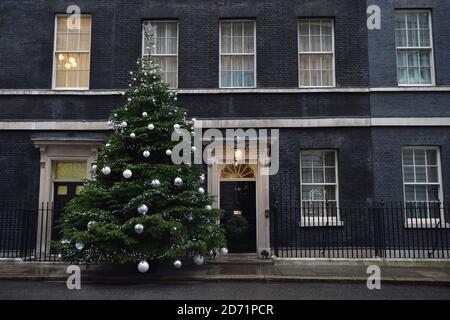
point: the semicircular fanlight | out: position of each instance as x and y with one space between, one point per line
238 171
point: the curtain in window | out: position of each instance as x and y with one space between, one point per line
316 53
413 40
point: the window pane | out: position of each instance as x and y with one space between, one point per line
60 79
400 36
413 38
84 79
421 174
307 193
424 20
248 63
225 79
424 58
330 192
433 193
315 27
419 157
327 78
226 44
424 38
249 29
305 78
225 29
85 42
304 61
61 42
73 44
402 58
85 23
421 193
70 171
413 58
432 174
413 74
237 45
431 157
61 24
304 44
412 20
237 80
306 158
402 75
317 158
400 19
330 175
318 175
72 79
425 75
249 80
408 156
307 175
409 193
329 159
226 63
303 28
327 43
249 46
315 44
408 173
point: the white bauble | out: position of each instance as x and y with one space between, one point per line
199 260
139 228
151 126
192 133
202 178
193 148
144 114
115 115
108 145
110 123
193 119
178 182
94 167
91 225
176 126
79 245
106 170
142 209
168 152
146 153
143 266
156 183
224 251
201 190
64 241
132 135
177 264
208 207
123 124
127 174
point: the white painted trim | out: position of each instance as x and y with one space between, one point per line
419 122
54 125
242 123
110 92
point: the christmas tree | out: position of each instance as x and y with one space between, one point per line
140 205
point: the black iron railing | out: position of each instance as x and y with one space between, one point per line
385 230
27 233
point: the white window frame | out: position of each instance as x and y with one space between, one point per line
320 221
163 54
238 54
424 222
333 51
55 51
432 67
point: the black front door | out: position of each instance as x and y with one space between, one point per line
238 199
63 193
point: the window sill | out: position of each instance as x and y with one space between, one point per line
426 224
320 223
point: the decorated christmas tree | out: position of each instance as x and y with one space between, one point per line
140 206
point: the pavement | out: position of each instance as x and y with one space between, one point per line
217 271
224 291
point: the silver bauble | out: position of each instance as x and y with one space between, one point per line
151 126
177 264
178 182
106 170
79 245
123 124
142 209
91 225
176 126
146 153
132 135
168 152
127 174
224 251
199 260
201 190
143 266
156 183
139 228
208 207
144 114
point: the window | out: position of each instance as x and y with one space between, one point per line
72 53
414 47
161 44
237 54
316 52
422 183
319 184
